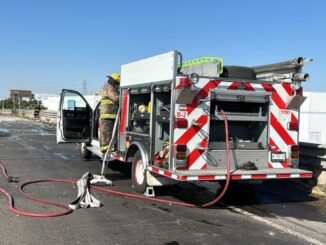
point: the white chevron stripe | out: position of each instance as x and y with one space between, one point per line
281 91
271 176
246 176
276 165
199 163
224 85
220 177
278 140
258 87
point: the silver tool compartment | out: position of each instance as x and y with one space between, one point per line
247 114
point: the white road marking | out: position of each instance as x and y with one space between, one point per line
277 226
61 156
18 141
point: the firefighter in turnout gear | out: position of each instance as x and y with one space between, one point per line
37 112
108 109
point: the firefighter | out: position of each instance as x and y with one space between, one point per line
108 110
37 111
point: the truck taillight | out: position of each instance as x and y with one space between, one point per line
294 151
185 82
181 156
181 123
293 126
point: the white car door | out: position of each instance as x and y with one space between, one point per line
74 119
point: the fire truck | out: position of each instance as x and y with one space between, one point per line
173 117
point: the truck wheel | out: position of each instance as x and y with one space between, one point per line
138 176
85 154
238 72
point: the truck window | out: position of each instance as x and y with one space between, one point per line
73 102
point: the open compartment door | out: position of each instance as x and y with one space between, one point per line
74 118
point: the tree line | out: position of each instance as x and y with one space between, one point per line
15 104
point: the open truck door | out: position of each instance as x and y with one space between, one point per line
74 118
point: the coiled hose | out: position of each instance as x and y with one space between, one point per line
67 210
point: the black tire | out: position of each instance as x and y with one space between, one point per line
139 180
238 72
85 154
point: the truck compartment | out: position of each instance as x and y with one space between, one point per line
161 111
247 115
217 158
139 113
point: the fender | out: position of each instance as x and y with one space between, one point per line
143 152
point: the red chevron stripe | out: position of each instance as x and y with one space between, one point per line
283 176
259 176
202 94
233 86
281 131
287 87
196 153
206 177
306 175
275 96
190 132
293 118
193 156
204 142
271 142
204 166
236 176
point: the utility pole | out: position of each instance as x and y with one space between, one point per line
18 101
84 85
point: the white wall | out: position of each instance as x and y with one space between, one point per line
313 118
52 101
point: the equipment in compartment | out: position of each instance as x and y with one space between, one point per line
140 114
204 66
161 158
247 113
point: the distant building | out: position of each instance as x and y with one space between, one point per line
25 95
50 101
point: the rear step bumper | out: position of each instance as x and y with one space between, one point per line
206 175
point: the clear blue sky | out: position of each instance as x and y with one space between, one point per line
49 45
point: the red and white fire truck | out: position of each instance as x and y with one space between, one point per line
171 126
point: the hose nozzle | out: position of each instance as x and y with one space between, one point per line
300 76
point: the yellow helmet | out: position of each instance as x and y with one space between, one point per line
115 77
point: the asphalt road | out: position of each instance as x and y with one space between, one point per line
270 213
